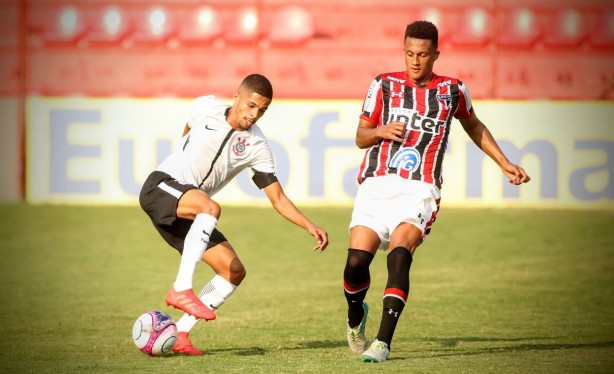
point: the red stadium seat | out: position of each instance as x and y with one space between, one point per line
291 25
473 27
63 24
245 26
518 27
108 25
199 24
602 27
564 27
153 25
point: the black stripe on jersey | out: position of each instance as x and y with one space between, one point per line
386 88
455 94
187 140
217 155
372 161
433 104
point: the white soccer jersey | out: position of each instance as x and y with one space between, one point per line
213 153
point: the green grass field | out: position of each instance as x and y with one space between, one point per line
499 291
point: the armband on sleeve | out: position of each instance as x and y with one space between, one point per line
263 180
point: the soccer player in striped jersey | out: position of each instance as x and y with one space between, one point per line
404 127
218 142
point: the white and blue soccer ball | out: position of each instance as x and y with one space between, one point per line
154 333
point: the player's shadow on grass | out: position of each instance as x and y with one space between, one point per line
468 350
259 351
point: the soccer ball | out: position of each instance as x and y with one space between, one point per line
154 333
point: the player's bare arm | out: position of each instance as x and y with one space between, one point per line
368 134
286 208
482 137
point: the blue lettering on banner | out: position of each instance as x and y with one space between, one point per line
577 180
543 150
126 165
316 144
62 151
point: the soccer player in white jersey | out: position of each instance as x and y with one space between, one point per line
218 142
404 127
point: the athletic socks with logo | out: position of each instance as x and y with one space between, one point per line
213 295
395 295
356 282
194 246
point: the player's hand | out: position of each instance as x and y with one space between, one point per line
516 174
393 131
321 237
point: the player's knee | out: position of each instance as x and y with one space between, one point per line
211 208
237 272
399 258
358 259
197 203
357 265
399 262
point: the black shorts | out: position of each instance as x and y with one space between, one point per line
159 198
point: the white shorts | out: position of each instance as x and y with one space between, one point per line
382 203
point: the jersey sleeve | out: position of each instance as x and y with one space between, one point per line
465 107
372 105
202 107
262 159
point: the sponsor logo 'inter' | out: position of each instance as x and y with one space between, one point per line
415 121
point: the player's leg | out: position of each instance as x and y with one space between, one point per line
197 206
184 229
230 272
356 281
403 242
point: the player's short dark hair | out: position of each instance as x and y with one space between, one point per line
258 84
423 30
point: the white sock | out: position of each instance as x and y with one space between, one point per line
213 295
193 248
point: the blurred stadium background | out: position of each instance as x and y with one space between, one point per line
552 56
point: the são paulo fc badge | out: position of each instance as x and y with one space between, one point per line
239 146
445 100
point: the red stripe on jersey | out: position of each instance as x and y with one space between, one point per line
396 292
382 162
356 289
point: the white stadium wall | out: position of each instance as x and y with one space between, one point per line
99 151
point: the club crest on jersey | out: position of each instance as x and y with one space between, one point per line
407 159
239 146
445 100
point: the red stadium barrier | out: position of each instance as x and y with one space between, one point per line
518 27
311 49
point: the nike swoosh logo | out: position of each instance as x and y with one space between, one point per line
209 128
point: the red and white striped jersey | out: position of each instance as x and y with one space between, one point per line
427 111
